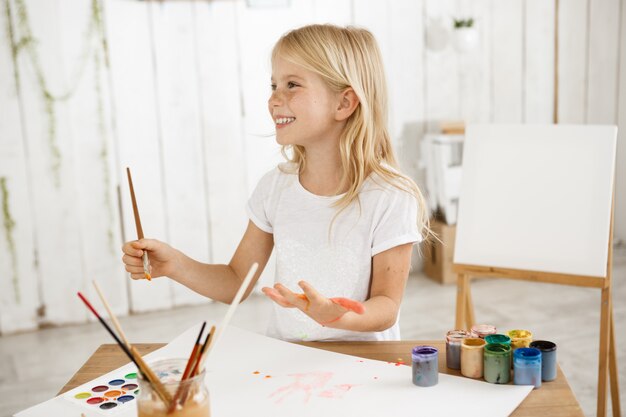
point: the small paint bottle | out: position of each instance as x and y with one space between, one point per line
482 330
527 366
497 363
472 349
425 366
520 338
503 340
453 347
548 358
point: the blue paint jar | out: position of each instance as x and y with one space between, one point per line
527 366
548 358
425 366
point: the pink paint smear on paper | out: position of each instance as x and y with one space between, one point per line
311 384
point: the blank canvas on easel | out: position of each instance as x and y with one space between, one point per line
529 198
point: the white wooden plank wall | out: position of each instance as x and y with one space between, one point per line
19 295
182 100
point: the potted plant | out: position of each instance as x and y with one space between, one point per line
465 37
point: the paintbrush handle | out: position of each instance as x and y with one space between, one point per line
106 326
134 202
116 323
152 378
231 309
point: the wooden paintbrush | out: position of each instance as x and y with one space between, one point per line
144 257
233 306
106 326
191 370
116 323
130 350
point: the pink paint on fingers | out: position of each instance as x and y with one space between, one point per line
349 304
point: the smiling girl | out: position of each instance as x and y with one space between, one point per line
340 215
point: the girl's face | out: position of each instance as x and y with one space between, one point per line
302 106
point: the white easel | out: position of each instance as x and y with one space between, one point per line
537 205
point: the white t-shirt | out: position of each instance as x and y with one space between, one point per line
338 264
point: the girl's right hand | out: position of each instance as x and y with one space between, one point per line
163 258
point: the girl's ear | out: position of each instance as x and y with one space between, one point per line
348 102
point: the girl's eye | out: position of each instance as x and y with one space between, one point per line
273 86
291 84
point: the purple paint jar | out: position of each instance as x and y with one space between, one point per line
425 366
454 338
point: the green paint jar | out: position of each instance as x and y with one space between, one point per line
497 363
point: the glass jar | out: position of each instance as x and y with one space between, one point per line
191 396
472 357
548 358
527 367
482 330
497 363
453 347
425 366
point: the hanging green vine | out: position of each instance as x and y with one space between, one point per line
9 225
21 39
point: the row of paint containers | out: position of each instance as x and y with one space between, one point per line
482 352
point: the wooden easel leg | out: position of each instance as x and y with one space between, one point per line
605 318
461 299
617 411
470 317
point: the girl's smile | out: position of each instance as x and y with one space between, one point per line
302 106
283 121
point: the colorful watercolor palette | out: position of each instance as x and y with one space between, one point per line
107 396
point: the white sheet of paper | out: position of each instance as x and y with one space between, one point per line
305 381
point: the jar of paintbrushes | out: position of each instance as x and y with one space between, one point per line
175 396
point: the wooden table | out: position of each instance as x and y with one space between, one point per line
553 399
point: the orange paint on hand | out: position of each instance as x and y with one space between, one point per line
349 304
148 276
305 298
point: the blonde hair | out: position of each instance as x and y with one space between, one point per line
349 57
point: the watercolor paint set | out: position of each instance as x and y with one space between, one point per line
107 396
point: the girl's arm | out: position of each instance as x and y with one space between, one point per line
390 270
217 281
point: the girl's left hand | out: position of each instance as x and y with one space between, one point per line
321 309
